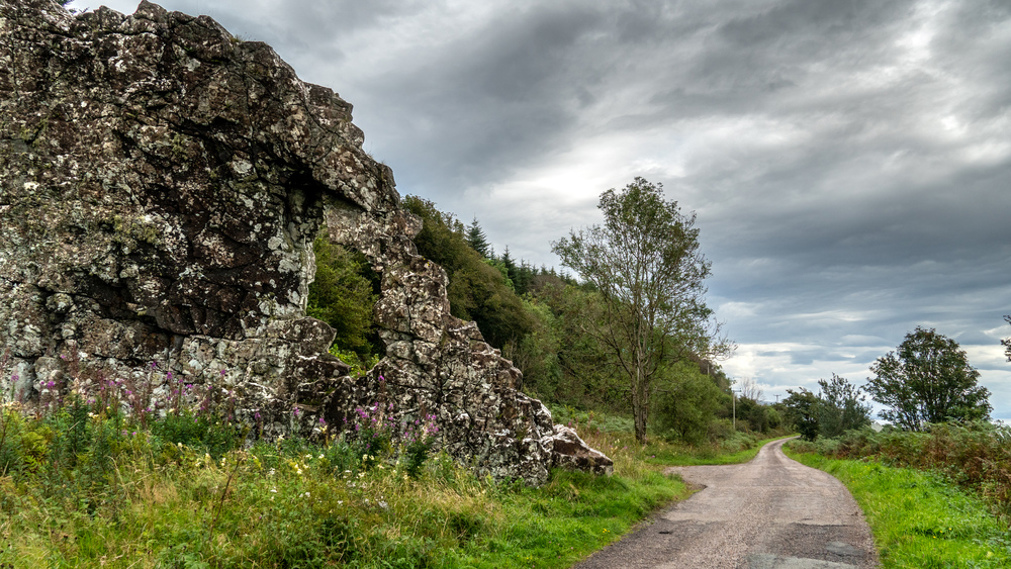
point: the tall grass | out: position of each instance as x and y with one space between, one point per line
91 487
920 520
975 456
110 481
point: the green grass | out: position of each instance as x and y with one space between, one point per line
87 487
919 520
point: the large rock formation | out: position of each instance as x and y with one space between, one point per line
162 183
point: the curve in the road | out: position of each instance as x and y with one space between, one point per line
770 513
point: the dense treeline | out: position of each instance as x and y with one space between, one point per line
549 325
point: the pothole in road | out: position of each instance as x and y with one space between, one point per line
769 561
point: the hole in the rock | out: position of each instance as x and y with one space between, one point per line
344 295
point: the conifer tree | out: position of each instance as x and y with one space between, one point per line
477 240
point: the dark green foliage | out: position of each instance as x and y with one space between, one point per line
756 416
206 433
564 353
837 408
415 454
477 291
842 407
929 380
73 435
477 240
343 295
804 409
687 408
538 352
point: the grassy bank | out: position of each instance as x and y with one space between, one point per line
85 488
919 519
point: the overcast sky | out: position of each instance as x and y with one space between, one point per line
849 161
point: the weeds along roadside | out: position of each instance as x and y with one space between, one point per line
85 484
973 456
918 518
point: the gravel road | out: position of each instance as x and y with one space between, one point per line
770 513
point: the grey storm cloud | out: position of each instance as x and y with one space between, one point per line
848 160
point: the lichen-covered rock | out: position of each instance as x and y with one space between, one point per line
162 183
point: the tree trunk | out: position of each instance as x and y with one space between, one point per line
640 407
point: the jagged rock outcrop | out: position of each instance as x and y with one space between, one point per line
162 183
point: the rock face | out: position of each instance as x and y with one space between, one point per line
162 183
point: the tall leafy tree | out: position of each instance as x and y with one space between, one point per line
646 264
803 408
842 407
928 380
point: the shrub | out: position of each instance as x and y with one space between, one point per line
974 455
343 294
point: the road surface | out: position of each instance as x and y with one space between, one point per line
770 513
